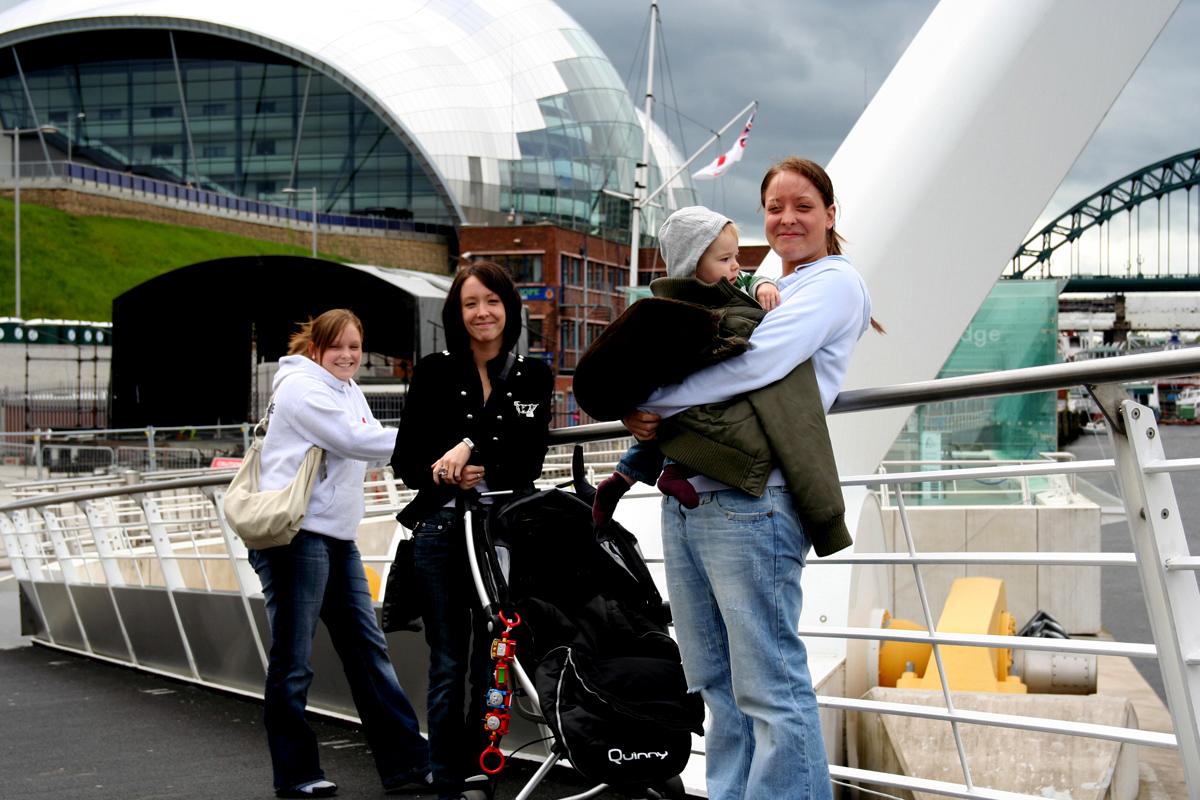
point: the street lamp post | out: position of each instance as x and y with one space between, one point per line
16 134
71 135
290 190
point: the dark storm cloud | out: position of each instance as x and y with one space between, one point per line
814 65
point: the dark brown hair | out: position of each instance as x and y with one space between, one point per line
496 279
323 331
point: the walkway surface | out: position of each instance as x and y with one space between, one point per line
74 727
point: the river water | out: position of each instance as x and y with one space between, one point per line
1123 610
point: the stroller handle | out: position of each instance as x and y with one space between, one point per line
465 507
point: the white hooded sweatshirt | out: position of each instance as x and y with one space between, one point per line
314 407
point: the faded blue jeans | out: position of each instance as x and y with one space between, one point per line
317 576
733 573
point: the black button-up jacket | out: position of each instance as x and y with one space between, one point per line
445 404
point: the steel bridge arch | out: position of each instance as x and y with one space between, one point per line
1177 172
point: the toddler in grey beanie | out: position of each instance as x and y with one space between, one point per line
685 236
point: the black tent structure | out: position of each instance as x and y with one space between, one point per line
194 337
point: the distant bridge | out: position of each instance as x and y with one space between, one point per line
1102 244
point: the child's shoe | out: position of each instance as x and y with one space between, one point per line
608 494
674 483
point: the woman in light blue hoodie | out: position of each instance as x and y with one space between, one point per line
320 574
734 562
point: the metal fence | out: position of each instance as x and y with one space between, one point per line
79 553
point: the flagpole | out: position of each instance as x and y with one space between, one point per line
642 172
696 155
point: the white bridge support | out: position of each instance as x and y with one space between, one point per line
950 165
1167 572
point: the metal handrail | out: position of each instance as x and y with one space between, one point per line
1167 364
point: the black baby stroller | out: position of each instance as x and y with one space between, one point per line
593 655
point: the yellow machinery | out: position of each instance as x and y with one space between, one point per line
975 605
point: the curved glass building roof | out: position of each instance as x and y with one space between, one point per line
451 111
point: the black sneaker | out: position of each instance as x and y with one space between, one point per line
420 776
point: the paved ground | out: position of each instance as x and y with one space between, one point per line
74 727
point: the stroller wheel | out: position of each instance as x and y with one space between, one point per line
670 789
478 787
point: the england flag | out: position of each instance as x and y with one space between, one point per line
718 167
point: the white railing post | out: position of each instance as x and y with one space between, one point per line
28 547
66 567
113 576
62 547
243 573
102 541
169 564
12 546
1172 597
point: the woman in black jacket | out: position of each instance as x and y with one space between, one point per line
475 418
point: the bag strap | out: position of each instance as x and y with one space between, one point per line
265 421
508 365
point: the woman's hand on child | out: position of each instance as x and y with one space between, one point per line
768 296
452 467
642 424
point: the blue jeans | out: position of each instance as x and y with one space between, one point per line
316 576
643 462
452 616
733 573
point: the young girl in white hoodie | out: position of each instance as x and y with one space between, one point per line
320 574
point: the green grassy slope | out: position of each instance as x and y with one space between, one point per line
72 267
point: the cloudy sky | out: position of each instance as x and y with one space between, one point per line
813 65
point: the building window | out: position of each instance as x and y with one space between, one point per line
265 147
110 113
160 112
265 107
572 270
265 187
162 151
214 152
537 338
212 109
524 267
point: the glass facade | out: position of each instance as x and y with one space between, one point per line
1016 327
255 122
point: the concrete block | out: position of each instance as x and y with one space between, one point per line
993 529
1070 594
1004 759
934 530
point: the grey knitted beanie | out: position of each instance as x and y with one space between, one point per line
685 236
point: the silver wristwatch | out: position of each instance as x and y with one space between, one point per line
469 444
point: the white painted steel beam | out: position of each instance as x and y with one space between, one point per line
1172 596
952 162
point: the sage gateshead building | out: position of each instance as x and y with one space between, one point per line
448 112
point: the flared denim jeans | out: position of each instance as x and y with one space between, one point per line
319 577
453 620
733 573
